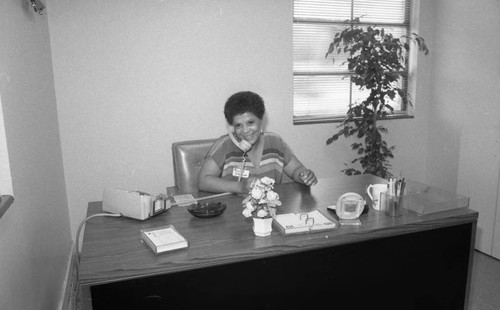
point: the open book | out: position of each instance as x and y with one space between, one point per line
294 223
164 238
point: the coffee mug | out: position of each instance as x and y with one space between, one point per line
373 191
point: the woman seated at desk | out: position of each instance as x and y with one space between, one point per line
247 152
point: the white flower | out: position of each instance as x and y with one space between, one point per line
257 193
250 206
267 181
272 195
256 183
247 199
262 213
262 200
247 212
274 203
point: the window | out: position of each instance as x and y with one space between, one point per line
322 93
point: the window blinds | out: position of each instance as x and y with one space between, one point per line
322 89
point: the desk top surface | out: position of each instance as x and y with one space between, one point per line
112 251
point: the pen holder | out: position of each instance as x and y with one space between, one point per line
393 205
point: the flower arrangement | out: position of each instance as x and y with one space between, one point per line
262 199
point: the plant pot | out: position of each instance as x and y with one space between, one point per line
262 227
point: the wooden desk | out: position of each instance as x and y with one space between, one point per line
406 262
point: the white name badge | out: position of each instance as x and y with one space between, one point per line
237 173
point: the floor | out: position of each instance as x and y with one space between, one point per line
484 289
83 301
485 284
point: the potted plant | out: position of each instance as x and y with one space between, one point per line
376 62
261 205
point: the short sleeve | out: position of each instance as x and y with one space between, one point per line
222 149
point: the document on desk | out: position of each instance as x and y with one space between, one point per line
184 200
296 223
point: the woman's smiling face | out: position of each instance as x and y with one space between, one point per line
247 126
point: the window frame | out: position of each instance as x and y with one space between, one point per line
405 112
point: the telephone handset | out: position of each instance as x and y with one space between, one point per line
243 145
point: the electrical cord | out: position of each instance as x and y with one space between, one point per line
80 228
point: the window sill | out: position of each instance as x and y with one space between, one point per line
331 119
5 202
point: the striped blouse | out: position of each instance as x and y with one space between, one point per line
275 155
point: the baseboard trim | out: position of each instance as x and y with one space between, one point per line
71 285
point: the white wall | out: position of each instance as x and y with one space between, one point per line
35 238
465 119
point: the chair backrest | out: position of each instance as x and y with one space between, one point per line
188 157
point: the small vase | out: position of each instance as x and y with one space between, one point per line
262 227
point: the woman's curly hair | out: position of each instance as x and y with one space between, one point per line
242 102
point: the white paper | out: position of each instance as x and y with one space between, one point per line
184 200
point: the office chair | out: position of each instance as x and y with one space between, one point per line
187 158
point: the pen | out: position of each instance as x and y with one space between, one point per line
392 186
403 184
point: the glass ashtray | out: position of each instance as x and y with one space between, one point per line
206 209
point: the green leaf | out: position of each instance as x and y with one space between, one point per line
330 50
355 146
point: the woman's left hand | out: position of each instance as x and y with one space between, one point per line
308 177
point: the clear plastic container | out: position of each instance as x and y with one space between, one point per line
425 199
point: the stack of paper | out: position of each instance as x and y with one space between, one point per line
164 238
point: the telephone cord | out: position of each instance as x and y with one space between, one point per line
243 162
